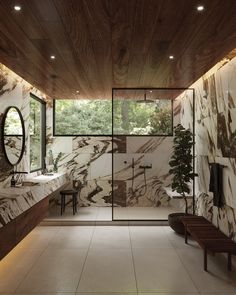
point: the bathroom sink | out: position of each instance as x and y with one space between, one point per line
29 183
44 177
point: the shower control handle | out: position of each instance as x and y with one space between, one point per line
149 166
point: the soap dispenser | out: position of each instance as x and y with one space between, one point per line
13 181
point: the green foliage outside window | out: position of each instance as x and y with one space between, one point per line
134 118
83 117
87 117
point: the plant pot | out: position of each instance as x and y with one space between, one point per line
175 222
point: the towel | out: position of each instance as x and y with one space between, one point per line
216 184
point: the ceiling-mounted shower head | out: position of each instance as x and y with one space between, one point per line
145 100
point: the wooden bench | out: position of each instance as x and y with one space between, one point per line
209 238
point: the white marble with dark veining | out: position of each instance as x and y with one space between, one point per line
215 126
16 200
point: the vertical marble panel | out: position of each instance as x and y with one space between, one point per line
126 166
119 193
215 141
225 136
101 168
96 193
120 144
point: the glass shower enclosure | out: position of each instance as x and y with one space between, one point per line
142 141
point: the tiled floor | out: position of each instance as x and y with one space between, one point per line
119 213
118 260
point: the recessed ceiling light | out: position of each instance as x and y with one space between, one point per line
52 56
200 8
17 7
171 57
77 91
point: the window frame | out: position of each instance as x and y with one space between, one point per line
43 132
112 125
147 135
76 135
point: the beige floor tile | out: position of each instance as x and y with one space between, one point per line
108 271
177 240
104 214
72 237
217 279
56 271
15 266
218 293
113 293
44 293
149 237
160 270
83 214
171 293
111 237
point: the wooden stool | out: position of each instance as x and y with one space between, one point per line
65 193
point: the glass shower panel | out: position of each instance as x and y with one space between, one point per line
140 158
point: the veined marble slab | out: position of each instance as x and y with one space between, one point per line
16 200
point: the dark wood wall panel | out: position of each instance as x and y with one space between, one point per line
13 232
100 44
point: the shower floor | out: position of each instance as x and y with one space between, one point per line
105 213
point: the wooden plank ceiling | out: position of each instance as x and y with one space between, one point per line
100 44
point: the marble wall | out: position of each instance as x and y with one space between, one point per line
15 91
215 127
89 159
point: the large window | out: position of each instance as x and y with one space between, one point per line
82 117
142 117
37 133
130 117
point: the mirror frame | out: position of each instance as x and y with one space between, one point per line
23 135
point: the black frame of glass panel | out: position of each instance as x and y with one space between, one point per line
43 131
113 135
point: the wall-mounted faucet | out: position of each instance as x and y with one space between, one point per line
145 166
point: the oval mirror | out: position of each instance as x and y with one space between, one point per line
13 134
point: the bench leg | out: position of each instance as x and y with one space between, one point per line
186 234
229 262
73 202
205 259
62 204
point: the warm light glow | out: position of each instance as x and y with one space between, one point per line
77 91
52 56
17 7
200 8
171 57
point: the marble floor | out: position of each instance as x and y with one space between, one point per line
105 213
118 260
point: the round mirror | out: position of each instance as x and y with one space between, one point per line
13 134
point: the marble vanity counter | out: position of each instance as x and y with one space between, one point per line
16 200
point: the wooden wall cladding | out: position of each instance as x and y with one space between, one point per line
7 238
13 232
100 44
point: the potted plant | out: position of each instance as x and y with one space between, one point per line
181 163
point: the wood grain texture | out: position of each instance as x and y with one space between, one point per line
100 44
13 232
